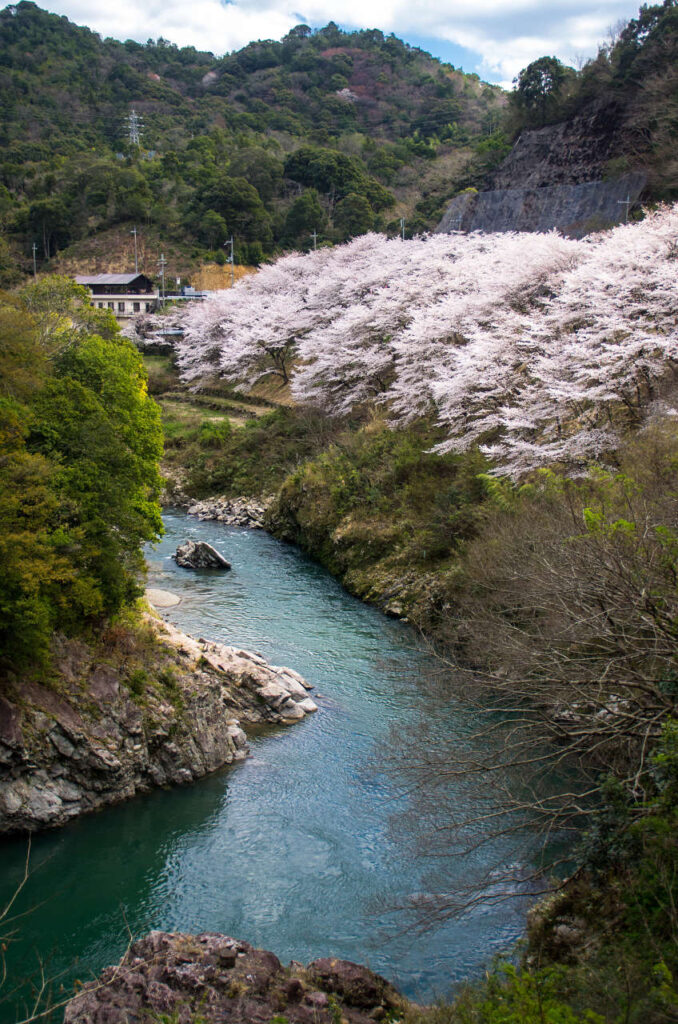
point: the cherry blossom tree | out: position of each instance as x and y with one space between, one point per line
536 347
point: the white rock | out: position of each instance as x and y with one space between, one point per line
307 705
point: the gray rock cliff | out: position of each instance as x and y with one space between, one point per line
554 177
94 737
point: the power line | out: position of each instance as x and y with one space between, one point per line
162 263
136 256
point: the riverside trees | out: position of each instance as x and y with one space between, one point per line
538 348
79 447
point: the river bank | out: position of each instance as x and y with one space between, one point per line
309 845
145 706
399 591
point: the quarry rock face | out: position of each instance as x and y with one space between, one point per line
557 177
575 210
569 153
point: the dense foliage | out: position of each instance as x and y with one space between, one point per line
539 348
79 477
217 458
385 517
557 603
321 131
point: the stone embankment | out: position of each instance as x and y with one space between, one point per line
97 732
213 978
245 512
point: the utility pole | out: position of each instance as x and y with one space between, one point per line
136 257
231 260
402 228
135 127
627 203
35 266
162 263
314 236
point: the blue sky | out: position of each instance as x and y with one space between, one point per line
494 38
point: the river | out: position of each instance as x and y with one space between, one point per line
301 849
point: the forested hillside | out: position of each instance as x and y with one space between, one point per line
325 131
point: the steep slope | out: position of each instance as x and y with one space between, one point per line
614 123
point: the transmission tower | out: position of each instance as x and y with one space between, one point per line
135 127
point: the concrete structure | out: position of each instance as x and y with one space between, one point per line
126 295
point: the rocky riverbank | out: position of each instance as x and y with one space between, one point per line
214 978
144 707
248 513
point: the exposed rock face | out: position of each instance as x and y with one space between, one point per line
245 512
574 209
569 153
99 737
267 693
554 177
215 978
200 555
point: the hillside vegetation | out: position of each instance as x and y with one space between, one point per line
324 131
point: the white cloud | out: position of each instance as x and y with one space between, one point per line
506 34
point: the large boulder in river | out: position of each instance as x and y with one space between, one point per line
199 555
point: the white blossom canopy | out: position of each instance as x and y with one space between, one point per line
526 344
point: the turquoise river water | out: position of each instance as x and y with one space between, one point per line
302 849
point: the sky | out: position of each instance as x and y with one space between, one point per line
494 38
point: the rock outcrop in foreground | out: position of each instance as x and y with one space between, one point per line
214 978
98 731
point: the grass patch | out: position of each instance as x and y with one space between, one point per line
253 459
162 373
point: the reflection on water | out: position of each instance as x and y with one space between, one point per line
293 850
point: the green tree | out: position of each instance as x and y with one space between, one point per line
260 168
94 422
213 229
353 216
241 207
304 216
539 84
324 169
48 219
9 272
80 442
